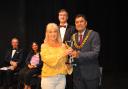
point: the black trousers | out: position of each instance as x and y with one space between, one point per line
26 75
69 82
7 77
79 82
1 78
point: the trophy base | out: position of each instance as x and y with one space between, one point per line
73 64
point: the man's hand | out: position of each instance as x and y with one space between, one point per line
75 54
11 67
68 51
13 63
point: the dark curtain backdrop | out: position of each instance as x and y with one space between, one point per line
27 19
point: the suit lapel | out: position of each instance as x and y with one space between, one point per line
10 53
76 38
85 33
66 33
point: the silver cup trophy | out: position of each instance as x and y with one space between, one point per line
70 58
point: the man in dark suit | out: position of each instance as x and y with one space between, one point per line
86 73
12 63
66 31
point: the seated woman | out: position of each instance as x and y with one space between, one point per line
54 54
33 66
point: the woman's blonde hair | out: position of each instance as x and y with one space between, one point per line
49 27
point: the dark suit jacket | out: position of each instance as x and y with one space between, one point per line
18 57
70 30
39 66
87 62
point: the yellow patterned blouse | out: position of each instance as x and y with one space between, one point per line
54 61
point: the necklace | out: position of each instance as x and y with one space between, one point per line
84 41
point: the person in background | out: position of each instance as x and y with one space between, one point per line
54 54
33 66
12 63
66 31
86 74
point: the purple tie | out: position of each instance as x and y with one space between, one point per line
81 39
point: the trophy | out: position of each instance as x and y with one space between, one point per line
70 58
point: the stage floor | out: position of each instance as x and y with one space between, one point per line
115 80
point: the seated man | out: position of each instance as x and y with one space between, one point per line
12 63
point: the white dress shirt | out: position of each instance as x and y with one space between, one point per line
13 52
62 31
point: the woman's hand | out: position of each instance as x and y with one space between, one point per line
31 66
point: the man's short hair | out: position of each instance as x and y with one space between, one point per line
81 15
15 38
63 10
